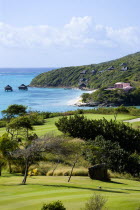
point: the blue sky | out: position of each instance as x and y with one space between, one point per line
41 33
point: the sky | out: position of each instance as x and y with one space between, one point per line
57 33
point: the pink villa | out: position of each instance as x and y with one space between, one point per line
122 85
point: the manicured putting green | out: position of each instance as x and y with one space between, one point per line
121 194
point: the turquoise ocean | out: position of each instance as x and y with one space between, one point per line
37 99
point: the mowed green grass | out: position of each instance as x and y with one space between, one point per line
121 194
135 125
49 126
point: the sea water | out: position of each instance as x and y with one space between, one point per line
36 99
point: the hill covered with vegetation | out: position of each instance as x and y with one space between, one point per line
117 97
125 69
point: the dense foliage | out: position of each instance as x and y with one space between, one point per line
79 126
101 77
36 118
14 111
116 158
114 97
119 145
100 110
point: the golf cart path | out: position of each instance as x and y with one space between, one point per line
133 120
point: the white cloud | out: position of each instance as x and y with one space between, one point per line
79 32
129 36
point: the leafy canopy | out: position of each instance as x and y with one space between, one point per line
14 110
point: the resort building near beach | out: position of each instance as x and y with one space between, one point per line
8 88
23 87
82 86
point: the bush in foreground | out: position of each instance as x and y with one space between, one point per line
96 202
56 205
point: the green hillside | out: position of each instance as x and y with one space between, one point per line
94 75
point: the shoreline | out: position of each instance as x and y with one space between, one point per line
78 101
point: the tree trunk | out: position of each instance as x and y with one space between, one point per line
55 168
25 174
115 116
10 168
72 170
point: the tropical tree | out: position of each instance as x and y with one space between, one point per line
19 127
77 148
6 147
14 111
28 155
37 149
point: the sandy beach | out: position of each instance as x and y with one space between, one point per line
75 101
78 101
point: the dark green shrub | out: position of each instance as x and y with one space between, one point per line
109 152
85 97
46 114
121 109
80 111
56 205
135 112
81 127
133 164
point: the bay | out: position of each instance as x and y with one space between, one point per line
37 99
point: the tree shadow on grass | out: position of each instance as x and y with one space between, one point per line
73 187
114 182
85 188
132 190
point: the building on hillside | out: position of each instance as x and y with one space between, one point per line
124 68
23 87
8 88
111 68
82 86
93 72
82 80
83 72
101 71
123 85
123 64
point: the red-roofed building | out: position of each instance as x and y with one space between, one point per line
122 85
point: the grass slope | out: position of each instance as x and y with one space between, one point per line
121 193
102 77
49 126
